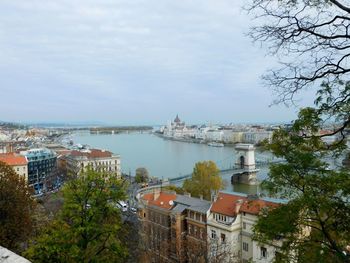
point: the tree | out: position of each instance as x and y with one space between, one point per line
205 179
311 38
88 226
16 208
142 175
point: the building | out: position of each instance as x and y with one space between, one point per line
179 228
231 221
98 160
257 136
18 162
173 227
178 129
41 163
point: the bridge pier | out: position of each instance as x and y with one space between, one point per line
246 162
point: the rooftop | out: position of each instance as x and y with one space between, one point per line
91 153
226 204
164 200
13 159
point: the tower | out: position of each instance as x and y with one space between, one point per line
245 165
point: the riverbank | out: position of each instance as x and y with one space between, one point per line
189 140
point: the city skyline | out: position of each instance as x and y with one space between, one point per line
126 63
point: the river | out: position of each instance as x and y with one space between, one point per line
166 158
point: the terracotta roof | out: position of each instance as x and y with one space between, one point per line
13 159
163 201
254 206
92 153
226 204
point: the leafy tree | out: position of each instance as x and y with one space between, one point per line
177 189
16 208
311 39
87 228
205 179
142 175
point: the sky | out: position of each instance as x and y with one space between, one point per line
132 62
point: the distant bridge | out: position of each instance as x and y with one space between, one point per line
261 162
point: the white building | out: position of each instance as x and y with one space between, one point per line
230 224
98 160
178 129
257 136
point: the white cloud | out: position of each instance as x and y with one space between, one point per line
153 52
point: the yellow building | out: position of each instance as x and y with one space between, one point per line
18 162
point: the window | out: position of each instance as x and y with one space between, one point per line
263 252
245 246
213 234
244 213
223 238
244 225
198 217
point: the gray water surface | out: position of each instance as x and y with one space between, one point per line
165 158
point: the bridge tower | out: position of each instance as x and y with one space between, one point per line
245 165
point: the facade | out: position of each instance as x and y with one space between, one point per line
41 163
18 162
178 129
231 221
179 228
98 160
258 136
173 227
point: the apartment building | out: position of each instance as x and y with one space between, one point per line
173 227
18 162
179 228
96 159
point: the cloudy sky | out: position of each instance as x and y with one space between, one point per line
132 62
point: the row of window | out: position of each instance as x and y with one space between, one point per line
196 231
222 236
197 216
263 250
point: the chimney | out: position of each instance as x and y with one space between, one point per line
156 193
238 205
214 196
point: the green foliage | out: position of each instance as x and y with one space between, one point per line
16 208
178 190
142 175
205 179
315 224
87 228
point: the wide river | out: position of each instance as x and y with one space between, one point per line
166 158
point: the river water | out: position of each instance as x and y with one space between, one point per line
166 158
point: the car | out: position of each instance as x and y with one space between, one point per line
122 205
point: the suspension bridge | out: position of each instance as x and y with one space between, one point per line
227 165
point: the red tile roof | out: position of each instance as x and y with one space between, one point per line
163 200
13 159
226 205
92 153
254 206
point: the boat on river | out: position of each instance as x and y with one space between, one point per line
216 144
